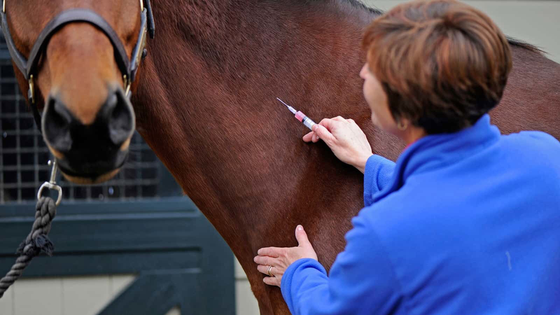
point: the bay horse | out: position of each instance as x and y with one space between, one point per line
205 101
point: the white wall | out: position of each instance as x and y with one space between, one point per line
62 296
89 295
536 22
245 302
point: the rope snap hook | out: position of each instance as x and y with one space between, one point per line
52 183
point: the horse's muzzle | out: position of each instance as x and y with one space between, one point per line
89 153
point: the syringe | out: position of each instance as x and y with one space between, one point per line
300 116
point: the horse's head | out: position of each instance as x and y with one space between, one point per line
76 60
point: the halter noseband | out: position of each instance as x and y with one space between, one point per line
128 67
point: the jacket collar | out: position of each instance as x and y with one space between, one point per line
436 151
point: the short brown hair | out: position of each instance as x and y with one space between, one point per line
442 63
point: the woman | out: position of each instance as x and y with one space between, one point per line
468 220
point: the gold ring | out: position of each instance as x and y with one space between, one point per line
269 269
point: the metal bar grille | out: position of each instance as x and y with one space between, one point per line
24 156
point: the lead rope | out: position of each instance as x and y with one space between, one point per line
37 241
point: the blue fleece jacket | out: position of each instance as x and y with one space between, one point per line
463 223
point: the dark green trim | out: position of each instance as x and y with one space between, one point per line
166 237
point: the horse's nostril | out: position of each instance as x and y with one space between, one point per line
117 113
112 101
56 125
112 127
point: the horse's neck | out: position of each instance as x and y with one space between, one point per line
206 104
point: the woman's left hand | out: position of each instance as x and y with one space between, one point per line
273 261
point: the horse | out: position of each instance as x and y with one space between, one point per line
205 101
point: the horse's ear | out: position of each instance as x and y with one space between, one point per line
151 24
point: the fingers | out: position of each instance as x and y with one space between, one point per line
325 129
311 137
315 138
271 251
274 274
274 271
301 236
328 123
264 270
323 133
265 260
308 137
333 122
273 280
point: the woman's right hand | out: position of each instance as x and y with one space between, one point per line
345 138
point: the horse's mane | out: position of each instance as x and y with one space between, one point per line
519 43
360 5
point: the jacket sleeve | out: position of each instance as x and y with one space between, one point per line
378 174
361 281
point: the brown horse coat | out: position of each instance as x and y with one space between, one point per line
205 102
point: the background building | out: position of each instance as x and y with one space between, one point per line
136 234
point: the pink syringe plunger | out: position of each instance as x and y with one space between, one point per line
300 116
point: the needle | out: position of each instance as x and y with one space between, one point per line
300 116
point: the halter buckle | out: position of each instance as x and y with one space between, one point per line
31 91
51 184
127 83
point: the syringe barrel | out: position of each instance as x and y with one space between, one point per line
308 123
305 120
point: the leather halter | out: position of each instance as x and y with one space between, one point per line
128 67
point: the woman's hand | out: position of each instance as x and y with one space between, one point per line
273 261
345 138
